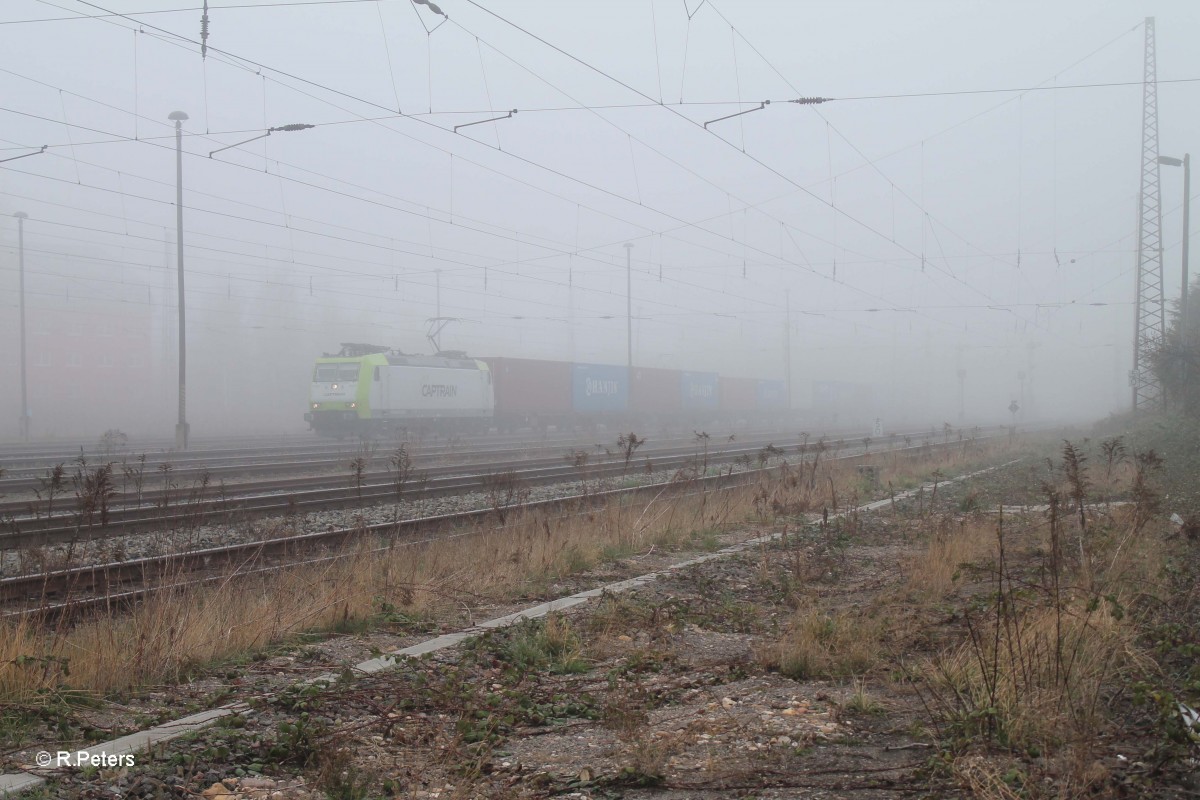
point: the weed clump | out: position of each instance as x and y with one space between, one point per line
823 645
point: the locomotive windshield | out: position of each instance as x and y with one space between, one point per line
329 373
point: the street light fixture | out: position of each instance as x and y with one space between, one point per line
295 126
21 217
1186 163
181 426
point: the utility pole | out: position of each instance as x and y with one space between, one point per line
629 308
1030 404
21 217
181 427
571 316
1183 294
787 345
962 383
961 372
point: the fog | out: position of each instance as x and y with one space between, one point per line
964 203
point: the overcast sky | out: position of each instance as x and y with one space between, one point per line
920 222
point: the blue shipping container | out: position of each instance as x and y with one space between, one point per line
772 394
599 388
698 389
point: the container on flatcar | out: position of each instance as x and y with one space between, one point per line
528 387
738 395
771 395
699 390
654 392
599 389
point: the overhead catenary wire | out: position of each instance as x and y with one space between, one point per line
521 158
927 216
633 89
308 231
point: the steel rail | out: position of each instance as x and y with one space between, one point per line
466 454
250 555
290 496
60 529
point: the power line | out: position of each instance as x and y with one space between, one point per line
474 163
242 6
1021 89
771 255
696 124
873 163
522 159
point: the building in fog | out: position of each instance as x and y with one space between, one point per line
88 363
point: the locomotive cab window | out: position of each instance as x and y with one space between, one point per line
377 374
347 372
326 373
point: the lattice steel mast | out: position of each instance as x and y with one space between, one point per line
1150 316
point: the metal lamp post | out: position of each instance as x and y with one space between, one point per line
181 426
179 117
21 217
962 383
629 308
1186 163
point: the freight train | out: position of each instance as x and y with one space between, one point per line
367 390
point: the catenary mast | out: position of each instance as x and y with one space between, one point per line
1150 315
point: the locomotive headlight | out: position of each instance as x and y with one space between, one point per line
316 405
334 386
354 405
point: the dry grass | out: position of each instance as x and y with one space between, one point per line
985 779
823 645
1031 679
1039 660
1046 632
172 634
937 570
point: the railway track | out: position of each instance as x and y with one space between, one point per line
24 476
222 504
23 461
26 472
110 586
